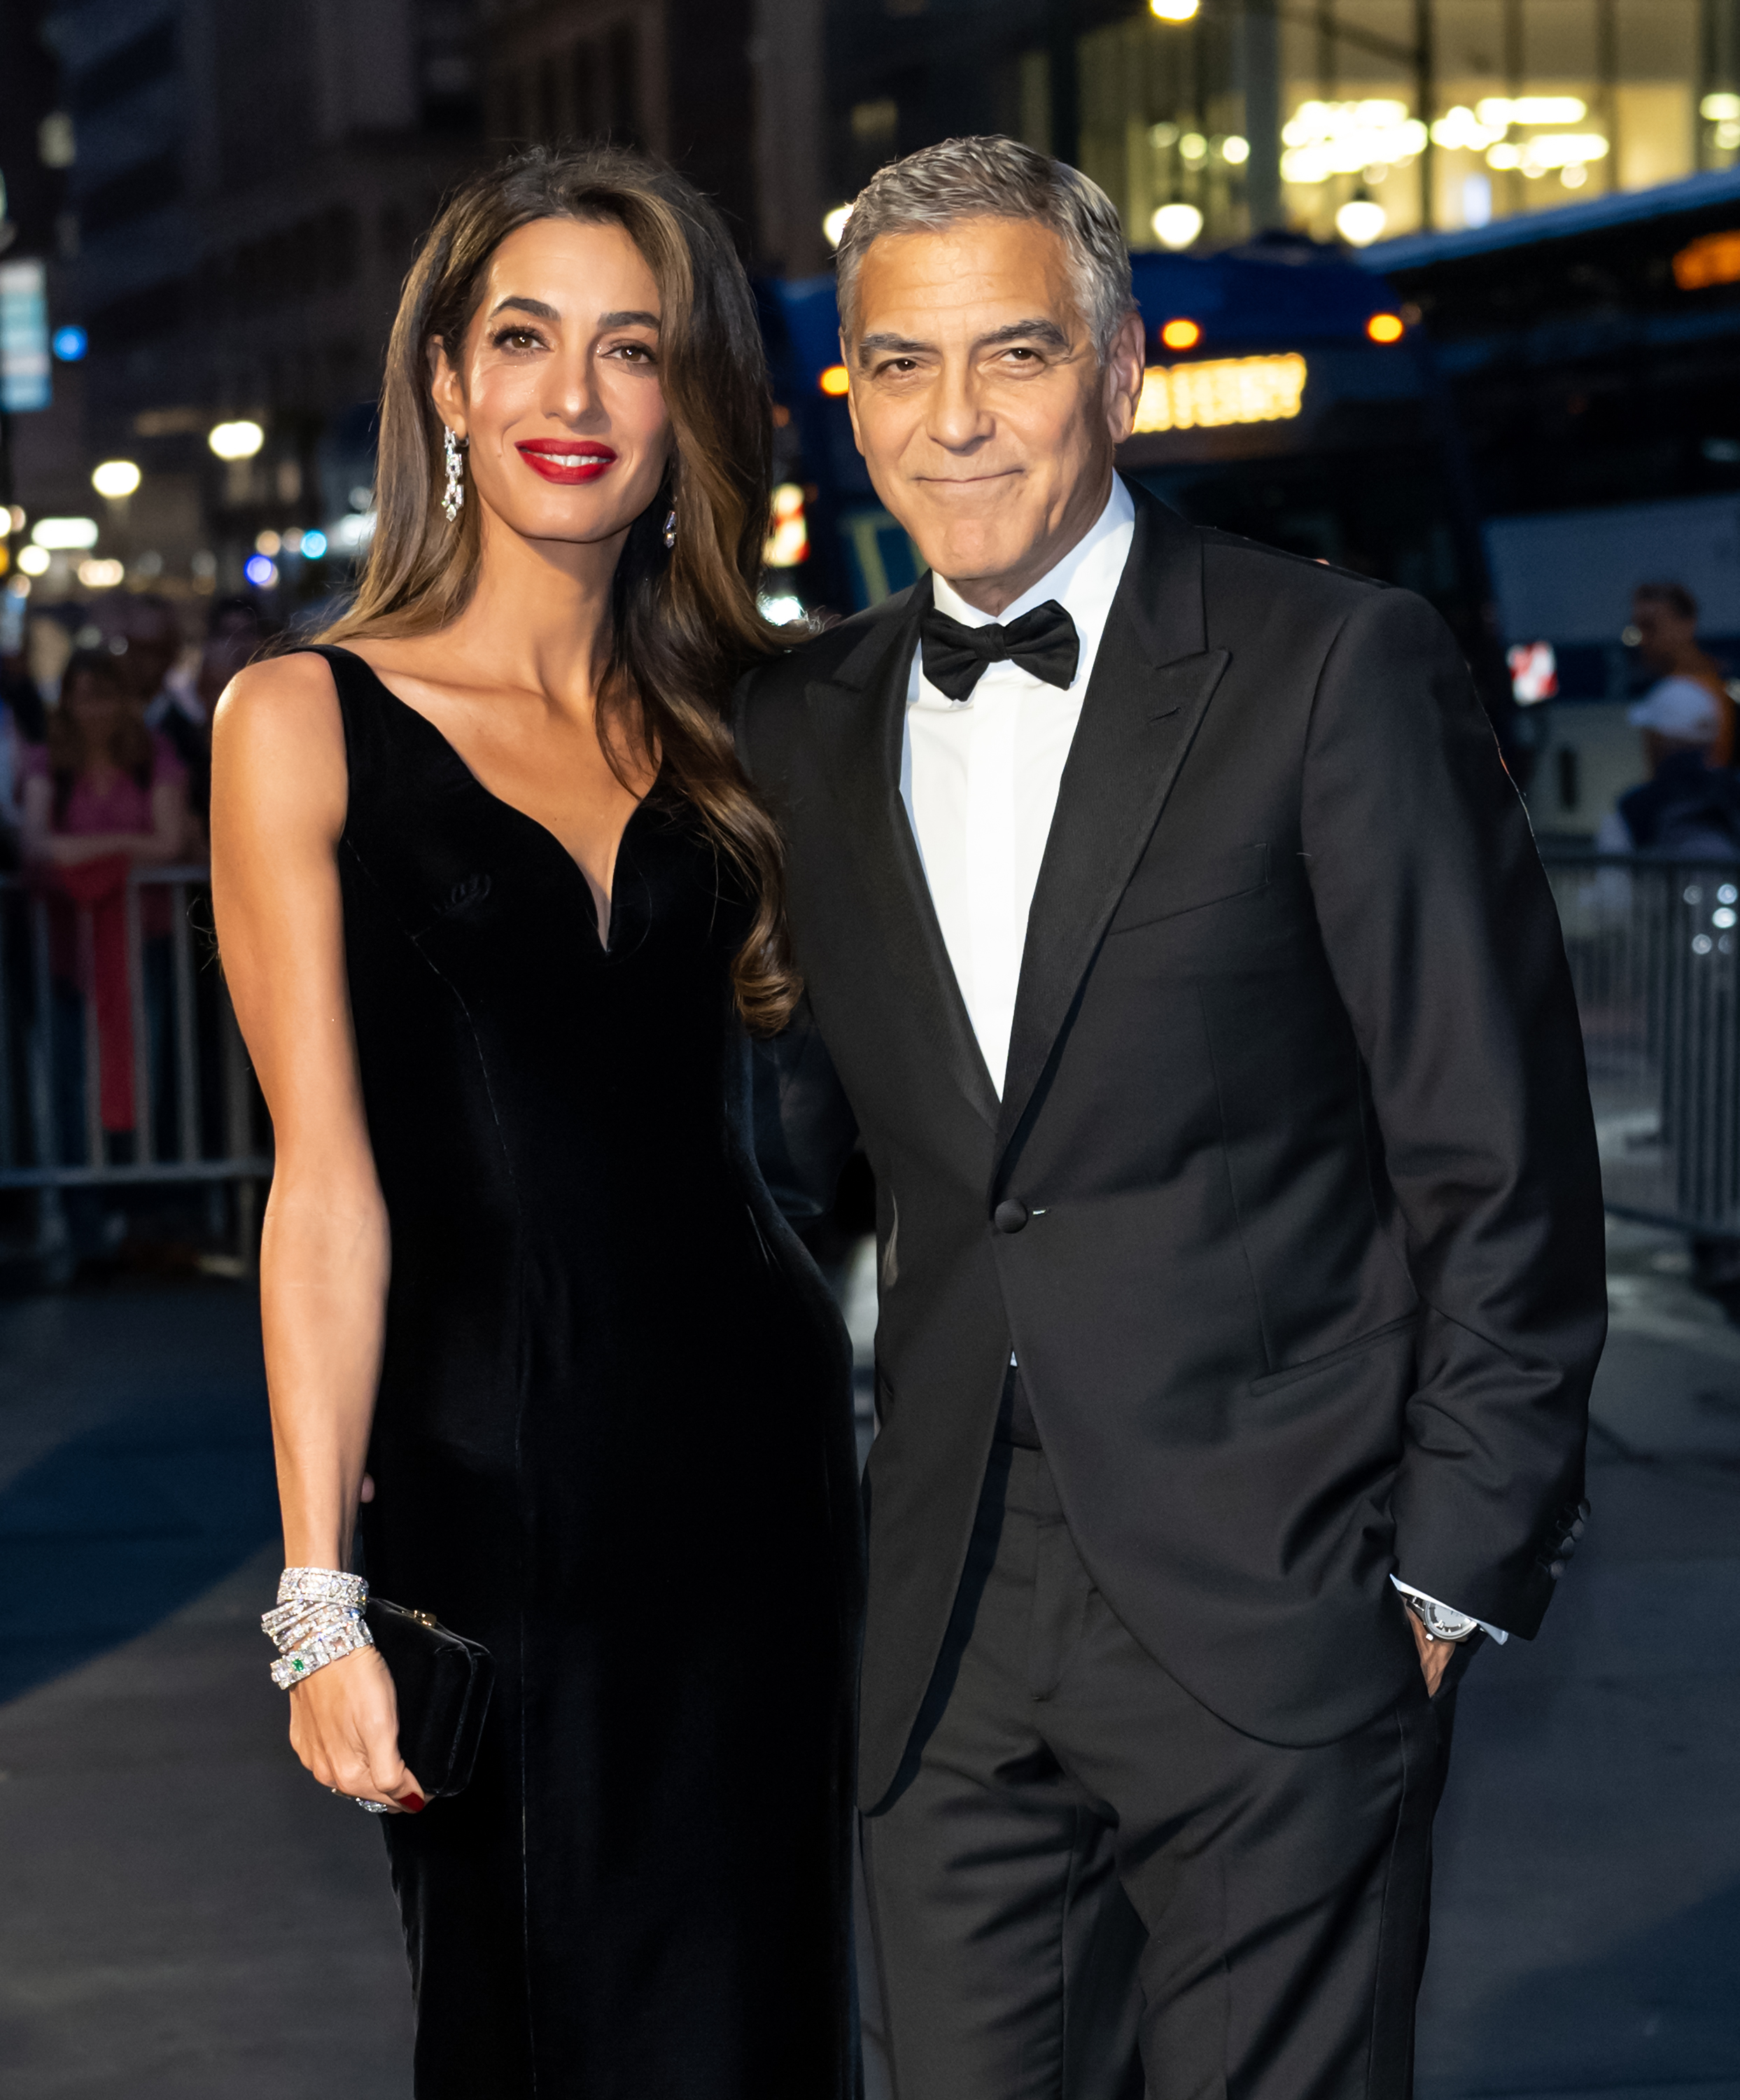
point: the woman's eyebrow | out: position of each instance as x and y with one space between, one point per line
627 319
533 307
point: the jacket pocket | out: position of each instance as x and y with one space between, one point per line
1271 1381
1168 886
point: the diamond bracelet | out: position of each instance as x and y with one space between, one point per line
318 1620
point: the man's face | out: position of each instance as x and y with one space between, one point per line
986 421
1662 634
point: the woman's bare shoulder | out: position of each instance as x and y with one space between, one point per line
297 686
277 725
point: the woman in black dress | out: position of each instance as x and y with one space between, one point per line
497 909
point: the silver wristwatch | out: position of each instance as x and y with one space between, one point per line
1440 1622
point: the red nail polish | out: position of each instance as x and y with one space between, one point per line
413 1802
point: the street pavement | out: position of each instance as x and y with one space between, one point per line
185 1916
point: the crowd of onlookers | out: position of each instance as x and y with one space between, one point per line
115 757
105 770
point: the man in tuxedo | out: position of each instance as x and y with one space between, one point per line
1176 942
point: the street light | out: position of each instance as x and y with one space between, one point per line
1360 221
115 479
1177 225
64 535
239 440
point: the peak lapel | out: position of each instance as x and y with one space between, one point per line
1152 683
858 717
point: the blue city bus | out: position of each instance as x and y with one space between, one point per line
1289 397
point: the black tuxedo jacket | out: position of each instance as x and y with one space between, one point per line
1290 1209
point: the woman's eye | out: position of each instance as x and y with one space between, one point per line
633 353
516 339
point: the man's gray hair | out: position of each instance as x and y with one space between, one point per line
996 177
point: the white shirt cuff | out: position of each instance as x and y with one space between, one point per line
1408 1590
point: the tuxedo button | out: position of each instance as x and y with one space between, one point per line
1576 1530
1009 1216
1556 1569
1583 1510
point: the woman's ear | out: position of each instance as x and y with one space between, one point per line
446 390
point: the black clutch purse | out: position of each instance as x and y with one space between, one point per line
442 1685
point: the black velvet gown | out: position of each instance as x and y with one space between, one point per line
613 1443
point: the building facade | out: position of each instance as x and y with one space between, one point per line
1251 114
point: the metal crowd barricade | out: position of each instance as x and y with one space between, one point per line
197 1116
1654 950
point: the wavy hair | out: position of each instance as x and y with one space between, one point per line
683 622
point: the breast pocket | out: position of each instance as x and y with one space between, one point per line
1167 885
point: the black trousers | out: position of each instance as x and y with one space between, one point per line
1086 1886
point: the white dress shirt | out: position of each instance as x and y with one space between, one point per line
980 778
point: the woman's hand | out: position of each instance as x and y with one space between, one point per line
343 1726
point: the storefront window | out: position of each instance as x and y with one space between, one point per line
1513 106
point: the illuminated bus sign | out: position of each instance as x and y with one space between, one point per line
1220 391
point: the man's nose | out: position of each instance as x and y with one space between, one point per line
957 419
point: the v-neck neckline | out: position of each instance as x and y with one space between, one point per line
606 940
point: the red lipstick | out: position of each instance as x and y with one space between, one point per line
567 460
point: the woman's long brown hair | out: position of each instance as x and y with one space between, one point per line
684 621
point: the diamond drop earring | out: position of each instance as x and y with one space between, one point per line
670 529
453 496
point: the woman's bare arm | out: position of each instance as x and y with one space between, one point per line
279 793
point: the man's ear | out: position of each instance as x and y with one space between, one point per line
1123 376
852 401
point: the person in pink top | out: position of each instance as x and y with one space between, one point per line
104 784
104 796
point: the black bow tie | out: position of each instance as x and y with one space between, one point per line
1043 641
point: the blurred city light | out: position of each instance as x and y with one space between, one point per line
267 544
33 561
98 574
779 608
1193 147
314 545
115 479
1236 150
238 440
787 542
77 533
1174 11
834 223
1385 327
1360 221
260 572
1534 672
1181 335
1713 259
70 344
1500 110
1177 225
833 381
353 531
1326 139
1221 390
